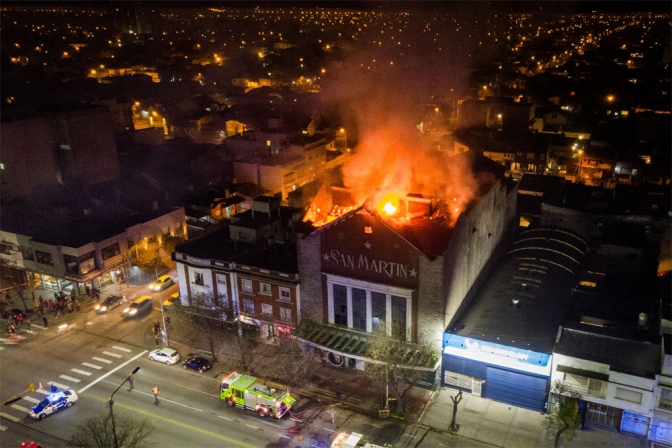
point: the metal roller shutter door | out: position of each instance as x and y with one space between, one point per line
516 388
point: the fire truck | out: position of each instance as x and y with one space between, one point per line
263 397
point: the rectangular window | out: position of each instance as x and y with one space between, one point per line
71 264
340 305
248 306
87 263
27 253
198 279
628 395
286 314
247 286
265 289
285 295
266 308
399 317
44 258
586 386
359 309
665 401
110 251
378 311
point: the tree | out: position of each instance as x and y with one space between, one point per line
201 321
456 400
295 361
397 363
564 418
96 431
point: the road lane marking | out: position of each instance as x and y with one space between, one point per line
83 372
250 426
93 366
285 437
69 378
41 327
3 428
225 418
2 348
114 355
42 391
107 361
329 429
10 417
127 350
162 399
175 422
60 386
31 399
20 408
111 371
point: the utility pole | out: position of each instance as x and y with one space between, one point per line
163 318
111 401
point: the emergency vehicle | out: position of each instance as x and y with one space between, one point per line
263 397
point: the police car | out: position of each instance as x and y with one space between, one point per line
52 403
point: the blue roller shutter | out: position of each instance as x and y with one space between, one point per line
516 388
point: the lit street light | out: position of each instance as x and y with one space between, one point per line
345 138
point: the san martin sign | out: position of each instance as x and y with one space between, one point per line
361 262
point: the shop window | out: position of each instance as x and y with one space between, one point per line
248 306
359 309
110 251
44 258
378 310
247 286
198 279
266 308
285 295
286 314
265 289
87 263
340 305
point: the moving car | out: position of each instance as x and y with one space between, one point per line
167 355
109 303
162 283
197 363
14 313
30 444
139 306
52 403
168 303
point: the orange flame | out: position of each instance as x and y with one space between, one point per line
388 204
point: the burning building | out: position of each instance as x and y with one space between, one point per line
400 261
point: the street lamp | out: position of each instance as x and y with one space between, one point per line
111 401
163 318
345 138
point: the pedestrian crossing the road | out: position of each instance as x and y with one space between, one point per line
105 359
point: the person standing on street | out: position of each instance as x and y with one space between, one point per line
155 391
46 322
131 386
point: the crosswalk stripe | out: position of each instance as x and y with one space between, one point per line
42 391
93 366
3 428
83 372
114 355
10 417
127 350
60 386
31 399
2 348
69 378
107 361
20 408
41 327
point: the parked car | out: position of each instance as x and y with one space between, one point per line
167 355
109 303
139 306
168 303
197 363
14 313
52 403
30 444
162 283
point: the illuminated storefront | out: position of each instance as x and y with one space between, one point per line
502 373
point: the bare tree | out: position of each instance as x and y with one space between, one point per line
295 361
96 431
456 400
397 363
564 418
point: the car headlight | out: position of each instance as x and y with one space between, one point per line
133 312
126 310
97 306
103 308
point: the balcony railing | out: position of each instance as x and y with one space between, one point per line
595 392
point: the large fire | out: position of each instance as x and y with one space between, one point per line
388 204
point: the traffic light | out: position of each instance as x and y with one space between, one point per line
31 386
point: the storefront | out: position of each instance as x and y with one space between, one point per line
507 374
